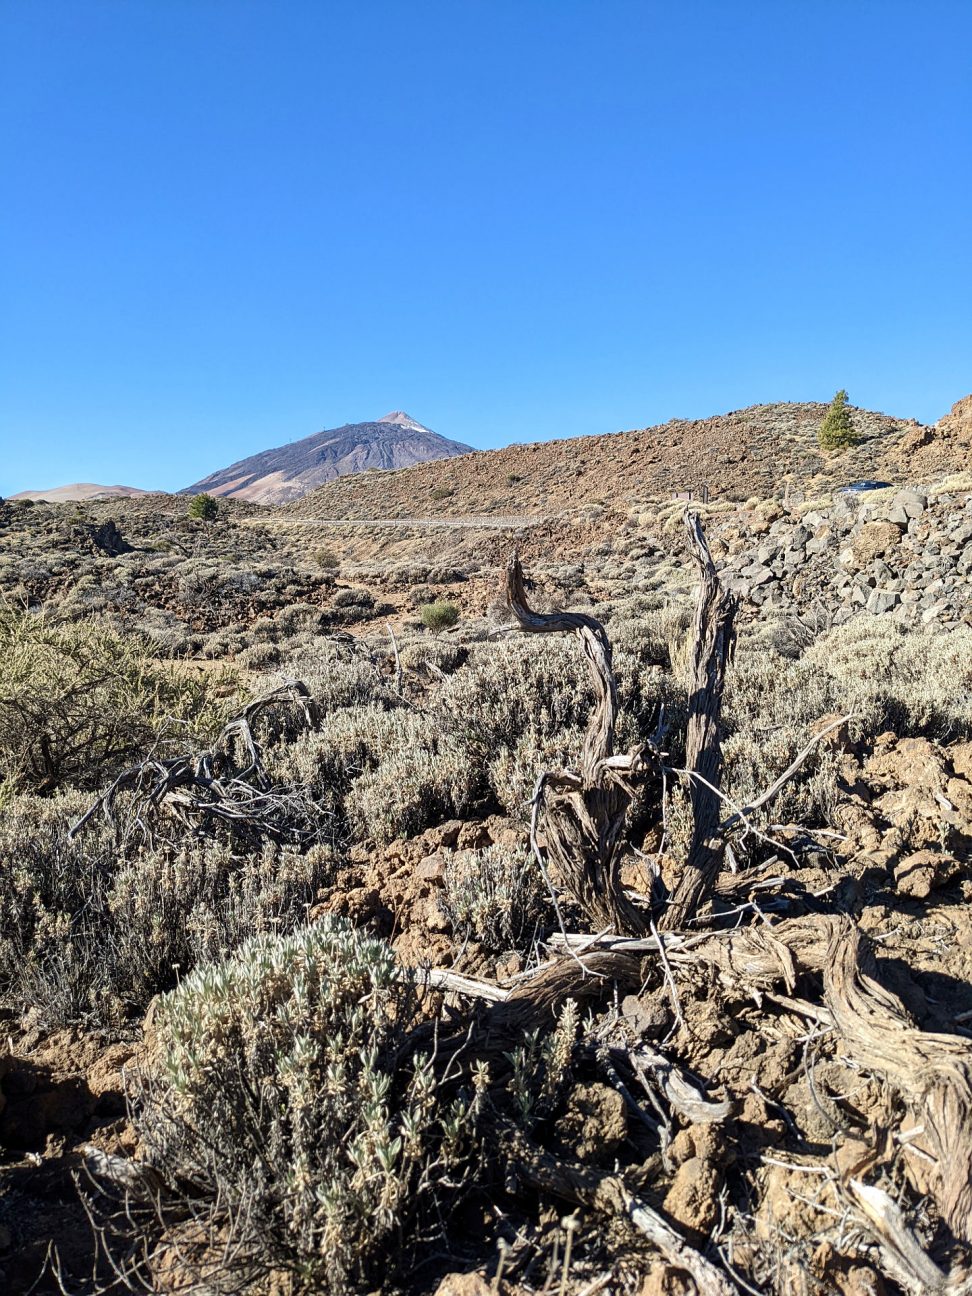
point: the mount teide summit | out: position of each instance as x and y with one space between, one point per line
287 472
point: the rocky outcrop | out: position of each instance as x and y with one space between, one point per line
906 553
944 447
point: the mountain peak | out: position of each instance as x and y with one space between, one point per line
286 472
401 419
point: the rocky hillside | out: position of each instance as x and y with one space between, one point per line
287 472
752 452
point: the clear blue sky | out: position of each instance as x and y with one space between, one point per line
228 223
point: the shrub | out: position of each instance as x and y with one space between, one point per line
495 896
259 656
513 771
203 507
354 605
915 681
441 493
337 676
523 685
86 934
286 1097
78 701
354 597
441 654
439 615
416 785
837 429
327 559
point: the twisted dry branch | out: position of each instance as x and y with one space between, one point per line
581 814
712 645
228 785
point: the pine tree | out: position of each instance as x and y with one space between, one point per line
837 430
203 507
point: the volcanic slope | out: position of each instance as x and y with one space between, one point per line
287 472
752 452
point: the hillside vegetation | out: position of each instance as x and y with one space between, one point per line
380 911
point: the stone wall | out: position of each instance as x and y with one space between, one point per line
907 554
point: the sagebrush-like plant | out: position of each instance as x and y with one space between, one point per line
287 1095
87 934
439 615
495 896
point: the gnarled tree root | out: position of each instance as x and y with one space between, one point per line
932 1073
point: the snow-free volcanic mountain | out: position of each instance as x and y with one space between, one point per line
288 471
78 491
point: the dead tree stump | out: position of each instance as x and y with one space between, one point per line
712 642
582 814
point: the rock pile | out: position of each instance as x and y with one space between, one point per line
907 554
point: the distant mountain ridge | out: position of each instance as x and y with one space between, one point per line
286 472
79 491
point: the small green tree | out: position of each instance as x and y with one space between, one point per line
203 507
837 429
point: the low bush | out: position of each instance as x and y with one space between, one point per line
495 896
441 654
337 675
87 934
416 785
890 677
439 615
535 685
514 770
348 1139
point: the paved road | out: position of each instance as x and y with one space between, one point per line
472 523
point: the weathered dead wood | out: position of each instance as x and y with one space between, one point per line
931 1071
905 1260
607 1195
399 673
712 642
455 983
679 1088
535 1003
760 958
582 814
508 1016
228 785
756 958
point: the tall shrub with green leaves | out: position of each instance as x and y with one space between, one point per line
837 429
203 507
78 700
